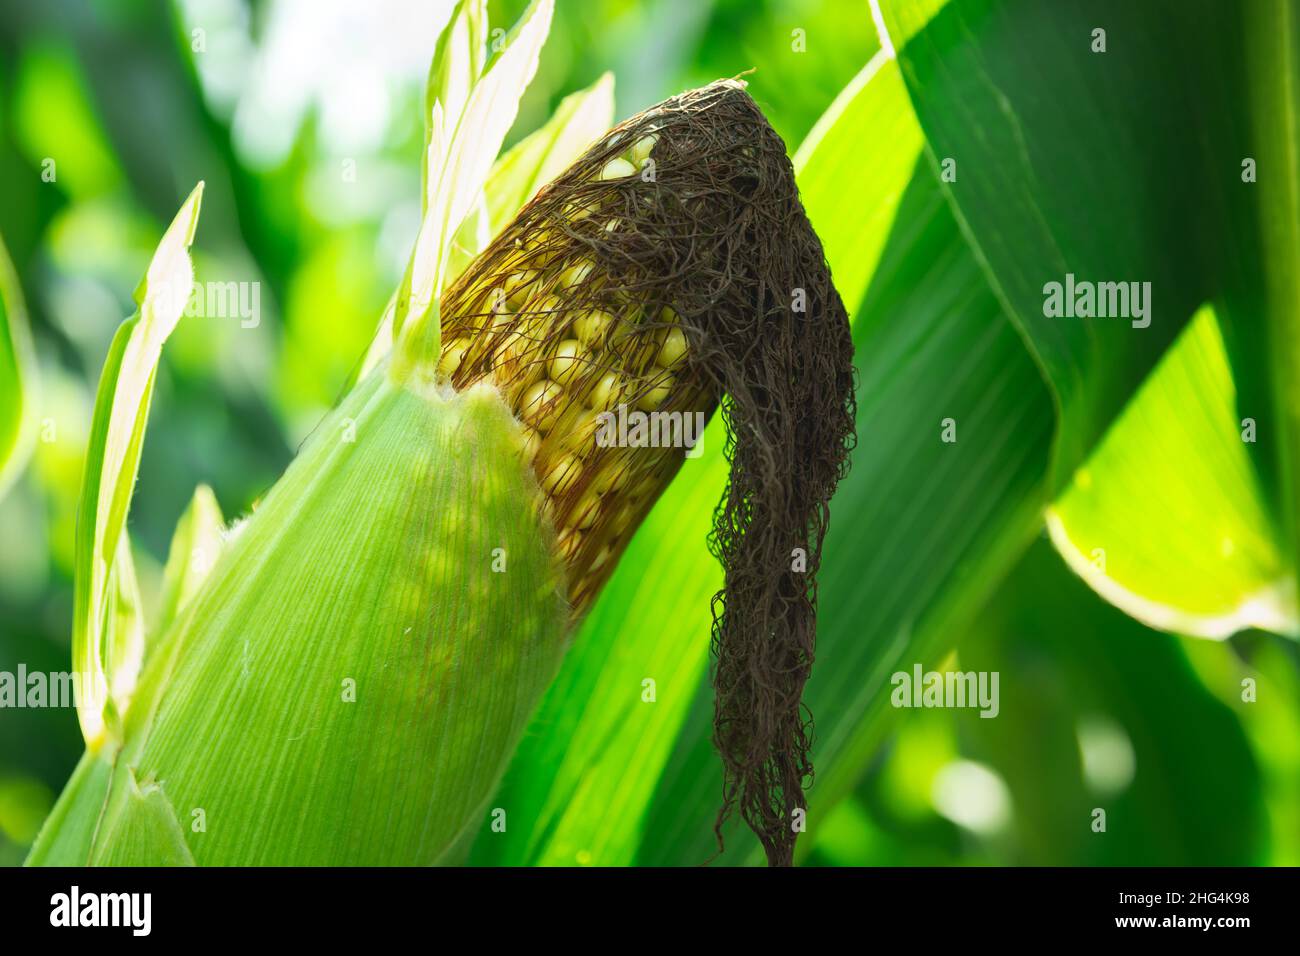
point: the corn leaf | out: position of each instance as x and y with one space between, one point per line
832 158
1260 315
102 653
456 67
579 120
196 544
67 836
1104 713
515 178
1098 192
1189 568
141 829
460 153
17 377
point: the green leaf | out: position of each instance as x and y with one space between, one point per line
1166 520
838 170
457 65
460 154
516 177
196 544
140 828
1097 193
579 120
1098 190
1261 315
17 377
1103 713
68 834
112 460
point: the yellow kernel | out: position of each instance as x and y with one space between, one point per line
604 393
541 306
576 272
452 354
673 348
582 433
612 477
599 560
617 169
560 477
592 326
541 404
516 288
530 443
570 541
656 394
641 151
584 515
517 362
568 358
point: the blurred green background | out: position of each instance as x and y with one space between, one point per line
268 102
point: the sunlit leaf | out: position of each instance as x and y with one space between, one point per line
460 155
837 171
456 67
1166 519
112 459
196 544
579 120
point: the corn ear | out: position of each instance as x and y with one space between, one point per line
347 684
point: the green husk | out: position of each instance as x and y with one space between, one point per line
372 565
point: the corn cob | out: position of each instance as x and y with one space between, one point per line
670 270
352 657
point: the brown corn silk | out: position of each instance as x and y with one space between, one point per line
687 279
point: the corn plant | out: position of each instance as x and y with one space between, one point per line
341 677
